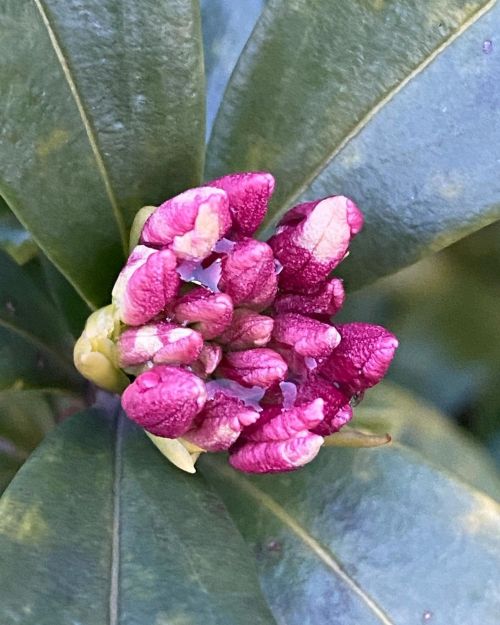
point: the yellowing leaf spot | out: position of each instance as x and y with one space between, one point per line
483 518
55 140
20 523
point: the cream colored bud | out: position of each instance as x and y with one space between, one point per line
180 453
138 224
95 355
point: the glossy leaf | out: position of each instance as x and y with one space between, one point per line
226 26
25 418
14 239
413 422
67 300
98 528
391 103
32 326
24 365
368 536
102 112
10 463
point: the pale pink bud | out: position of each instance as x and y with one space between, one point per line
362 358
323 304
249 275
190 224
165 400
308 337
253 367
248 329
312 240
277 424
276 456
221 422
249 194
208 360
211 313
336 408
161 343
146 285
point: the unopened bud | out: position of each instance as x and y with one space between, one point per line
190 224
146 285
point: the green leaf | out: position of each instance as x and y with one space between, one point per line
10 463
413 422
24 365
67 300
226 25
98 528
25 418
32 326
391 103
102 112
368 536
14 239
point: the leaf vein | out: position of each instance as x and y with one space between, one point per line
392 93
321 552
101 166
116 523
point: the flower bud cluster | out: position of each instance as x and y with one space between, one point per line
229 338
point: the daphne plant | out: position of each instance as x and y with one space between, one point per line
229 337
257 137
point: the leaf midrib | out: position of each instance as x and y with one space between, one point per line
89 130
379 105
38 343
322 553
116 520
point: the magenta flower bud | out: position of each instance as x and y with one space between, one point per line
221 422
308 337
312 240
146 285
208 360
275 456
249 275
162 343
190 224
248 329
253 367
336 407
277 424
165 400
249 194
323 304
211 313
362 358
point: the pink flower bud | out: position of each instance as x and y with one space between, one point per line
277 424
323 304
362 358
276 456
249 275
253 367
248 329
308 337
249 194
165 400
161 343
190 223
211 313
220 423
146 285
208 360
336 408
312 240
